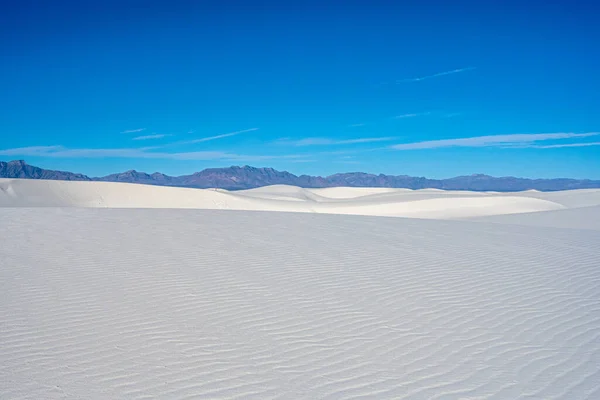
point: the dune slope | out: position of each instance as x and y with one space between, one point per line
573 218
426 203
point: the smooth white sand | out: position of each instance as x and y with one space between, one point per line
427 203
574 218
219 304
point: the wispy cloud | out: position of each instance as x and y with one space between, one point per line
422 78
222 136
523 140
412 115
141 152
556 146
319 141
437 114
30 150
150 137
134 130
62 151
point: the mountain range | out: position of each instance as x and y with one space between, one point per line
247 177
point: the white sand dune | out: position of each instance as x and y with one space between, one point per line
352 192
428 203
569 198
101 299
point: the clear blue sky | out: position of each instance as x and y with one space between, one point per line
426 88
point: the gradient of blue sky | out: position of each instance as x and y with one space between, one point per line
309 87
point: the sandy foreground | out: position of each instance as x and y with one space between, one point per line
120 291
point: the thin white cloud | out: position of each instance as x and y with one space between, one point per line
318 141
412 115
224 135
422 78
356 125
365 140
556 146
141 152
62 151
493 140
134 130
30 150
150 137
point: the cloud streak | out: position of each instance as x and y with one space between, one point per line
318 141
556 146
134 130
412 115
422 78
153 152
222 136
522 140
150 137
141 152
19 151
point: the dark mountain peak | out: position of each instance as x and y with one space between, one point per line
20 169
21 163
231 169
250 169
354 174
131 176
475 176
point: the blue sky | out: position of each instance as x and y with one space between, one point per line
425 88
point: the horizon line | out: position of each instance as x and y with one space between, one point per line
286 171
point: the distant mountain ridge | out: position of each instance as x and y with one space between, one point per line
20 169
246 177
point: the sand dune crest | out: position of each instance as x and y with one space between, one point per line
427 203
